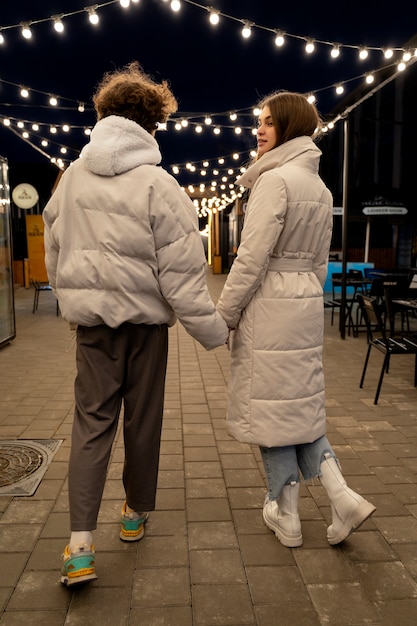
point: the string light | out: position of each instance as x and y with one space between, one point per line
246 30
339 89
24 92
53 101
335 51
279 39
247 27
81 107
369 78
309 47
92 15
58 24
26 32
214 17
363 53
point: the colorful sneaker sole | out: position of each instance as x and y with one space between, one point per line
132 529
78 569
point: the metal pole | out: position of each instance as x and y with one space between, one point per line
342 326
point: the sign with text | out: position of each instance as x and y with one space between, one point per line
36 248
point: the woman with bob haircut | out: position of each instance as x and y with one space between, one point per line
125 259
272 302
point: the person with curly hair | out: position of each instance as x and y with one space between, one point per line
125 259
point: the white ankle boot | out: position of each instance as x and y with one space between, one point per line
282 516
349 509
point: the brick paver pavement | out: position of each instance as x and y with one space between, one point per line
207 559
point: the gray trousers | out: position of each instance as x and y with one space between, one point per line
126 364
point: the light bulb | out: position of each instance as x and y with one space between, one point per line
81 107
26 32
339 89
214 17
335 51
279 39
369 78
311 98
246 30
208 120
124 3
53 101
2 40
176 5
388 53
58 25
309 48
24 92
92 16
6 122
363 53
198 129
401 66
406 55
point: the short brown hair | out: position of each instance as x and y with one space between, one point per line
131 93
292 115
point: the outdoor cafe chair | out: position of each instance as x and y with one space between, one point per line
39 287
380 337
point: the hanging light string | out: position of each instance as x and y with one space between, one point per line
198 121
22 132
214 18
183 120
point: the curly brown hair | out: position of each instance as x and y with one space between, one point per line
131 93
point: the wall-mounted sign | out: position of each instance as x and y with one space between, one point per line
384 210
337 210
25 196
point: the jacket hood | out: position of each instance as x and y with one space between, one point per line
118 145
299 147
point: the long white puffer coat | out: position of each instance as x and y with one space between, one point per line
122 241
273 296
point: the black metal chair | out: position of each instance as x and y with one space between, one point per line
336 301
39 286
380 337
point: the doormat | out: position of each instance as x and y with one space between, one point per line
23 463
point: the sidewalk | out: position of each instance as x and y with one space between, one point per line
207 559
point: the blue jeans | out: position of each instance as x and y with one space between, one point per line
284 464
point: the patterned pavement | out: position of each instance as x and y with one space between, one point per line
207 559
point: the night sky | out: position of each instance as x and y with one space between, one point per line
212 70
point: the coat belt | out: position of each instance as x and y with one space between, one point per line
290 265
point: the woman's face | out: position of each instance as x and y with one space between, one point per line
267 134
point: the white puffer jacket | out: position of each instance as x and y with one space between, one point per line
122 241
274 297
